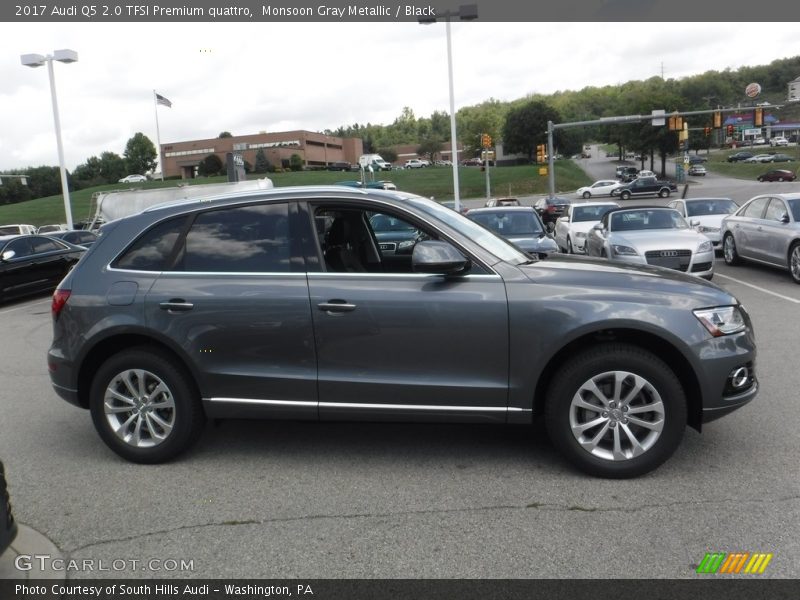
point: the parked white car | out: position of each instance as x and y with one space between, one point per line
705 215
416 163
779 141
17 229
56 227
603 187
133 179
572 228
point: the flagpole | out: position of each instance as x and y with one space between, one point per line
158 136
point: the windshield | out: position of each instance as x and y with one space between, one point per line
507 223
487 240
637 220
381 222
717 206
9 230
590 213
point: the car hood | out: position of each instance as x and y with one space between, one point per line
659 239
581 226
709 220
627 282
534 244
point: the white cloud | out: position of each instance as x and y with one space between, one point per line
251 77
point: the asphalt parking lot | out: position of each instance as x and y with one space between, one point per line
315 500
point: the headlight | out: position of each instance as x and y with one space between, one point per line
581 235
704 246
620 249
722 320
704 229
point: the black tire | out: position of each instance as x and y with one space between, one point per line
570 249
780 178
794 253
587 195
598 364
186 414
625 195
729 252
760 178
663 193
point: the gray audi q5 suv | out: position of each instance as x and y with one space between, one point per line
283 304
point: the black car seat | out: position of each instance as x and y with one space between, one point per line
342 248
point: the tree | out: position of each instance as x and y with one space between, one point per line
526 127
262 163
296 162
387 154
211 165
112 167
430 147
140 154
225 134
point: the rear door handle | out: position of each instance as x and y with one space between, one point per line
176 305
336 306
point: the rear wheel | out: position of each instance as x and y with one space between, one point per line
144 406
794 262
729 252
663 193
761 179
616 411
625 195
780 178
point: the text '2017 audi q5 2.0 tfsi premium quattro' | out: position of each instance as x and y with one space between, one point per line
284 304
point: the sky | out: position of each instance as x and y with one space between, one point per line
251 77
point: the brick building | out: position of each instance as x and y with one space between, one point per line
316 150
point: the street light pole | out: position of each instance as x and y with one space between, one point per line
37 60
466 12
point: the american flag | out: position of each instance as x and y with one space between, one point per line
161 100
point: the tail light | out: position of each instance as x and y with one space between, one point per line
60 297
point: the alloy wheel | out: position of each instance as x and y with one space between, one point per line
139 408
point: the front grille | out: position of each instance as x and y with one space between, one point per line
388 246
701 267
670 258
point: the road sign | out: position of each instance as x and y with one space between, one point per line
752 90
686 159
658 117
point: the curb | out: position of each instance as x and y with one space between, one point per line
31 543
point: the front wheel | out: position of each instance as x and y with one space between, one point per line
616 411
780 178
794 262
729 251
663 193
761 179
144 406
625 195
570 249
587 195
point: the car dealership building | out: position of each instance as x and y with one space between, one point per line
316 149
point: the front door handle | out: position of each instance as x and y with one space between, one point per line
336 306
176 305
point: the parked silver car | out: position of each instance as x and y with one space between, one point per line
572 228
766 230
652 235
520 225
705 215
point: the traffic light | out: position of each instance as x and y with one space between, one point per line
758 117
541 153
729 130
675 123
717 120
486 140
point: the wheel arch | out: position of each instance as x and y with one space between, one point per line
115 343
645 340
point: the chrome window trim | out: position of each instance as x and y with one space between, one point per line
207 273
367 405
331 274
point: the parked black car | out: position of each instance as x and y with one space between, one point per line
696 159
30 264
280 304
550 209
78 237
740 156
8 526
339 166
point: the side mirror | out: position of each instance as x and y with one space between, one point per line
784 218
439 258
565 218
694 223
8 255
598 227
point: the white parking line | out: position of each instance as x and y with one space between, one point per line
760 289
9 310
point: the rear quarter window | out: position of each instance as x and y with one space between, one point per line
152 250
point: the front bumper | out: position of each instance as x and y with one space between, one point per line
701 264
